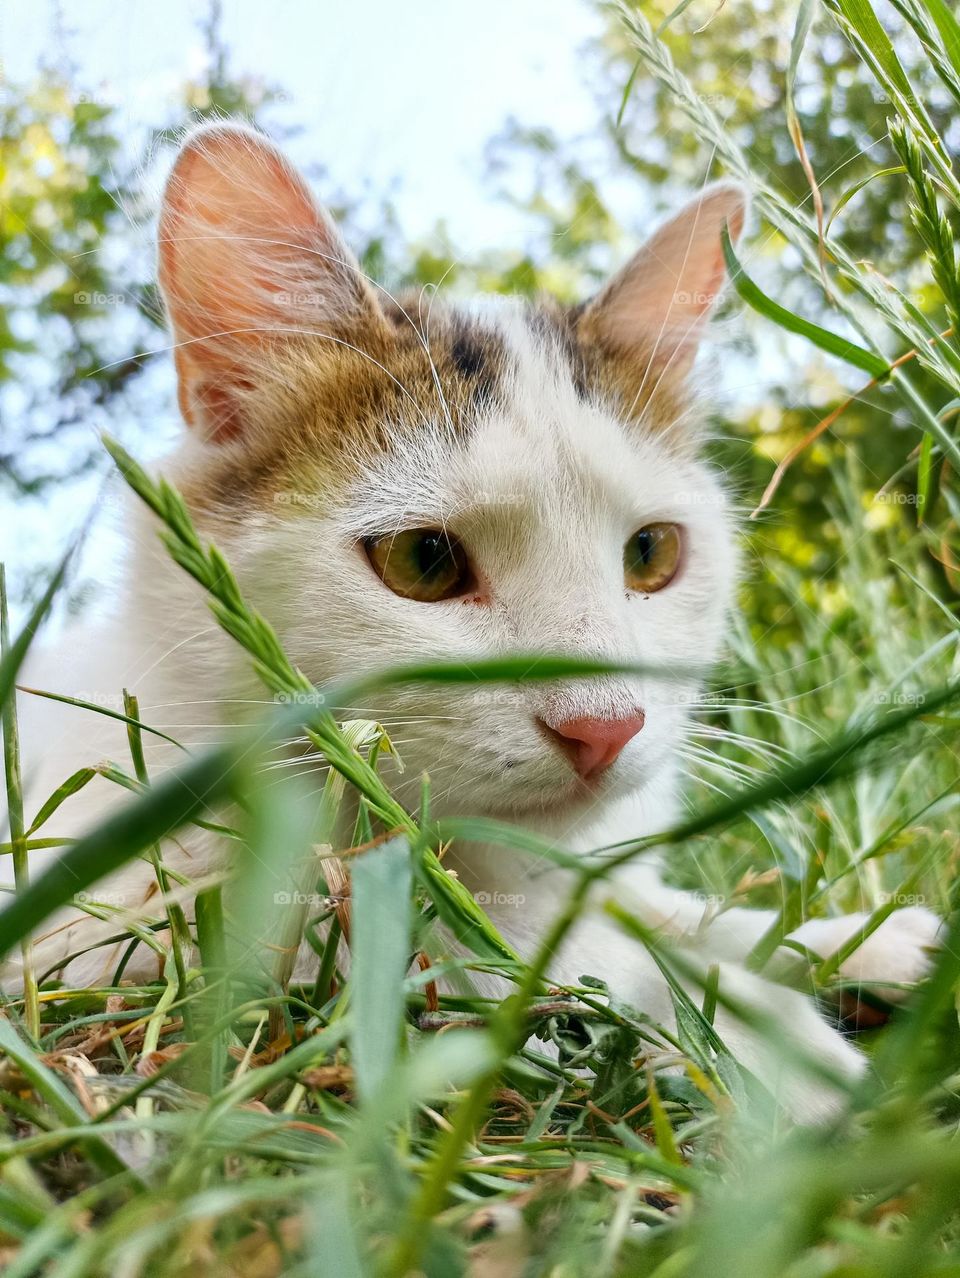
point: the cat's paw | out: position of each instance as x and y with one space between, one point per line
898 954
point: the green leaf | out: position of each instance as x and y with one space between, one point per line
876 366
13 658
381 919
662 1130
170 803
851 191
98 709
924 476
860 15
948 28
72 784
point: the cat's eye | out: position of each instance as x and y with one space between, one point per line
426 564
651 557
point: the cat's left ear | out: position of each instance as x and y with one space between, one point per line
655 309
249 265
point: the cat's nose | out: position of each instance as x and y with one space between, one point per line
592 744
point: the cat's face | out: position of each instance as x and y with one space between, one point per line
404 479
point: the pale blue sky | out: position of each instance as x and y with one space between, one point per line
391 98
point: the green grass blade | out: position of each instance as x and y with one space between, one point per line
71 786
844 349
948 28
380 953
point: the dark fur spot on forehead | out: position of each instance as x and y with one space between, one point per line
631 382
555 326
467 353
477 357
638 383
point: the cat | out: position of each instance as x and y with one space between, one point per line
396 479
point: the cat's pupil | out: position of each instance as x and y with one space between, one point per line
433 554
645 544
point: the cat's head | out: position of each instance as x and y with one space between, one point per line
406 478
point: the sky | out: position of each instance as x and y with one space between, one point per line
397 98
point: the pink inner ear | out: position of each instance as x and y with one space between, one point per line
247 257
658 304
236 219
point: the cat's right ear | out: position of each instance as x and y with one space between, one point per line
247 261
652 314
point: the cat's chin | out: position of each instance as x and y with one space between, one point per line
572 804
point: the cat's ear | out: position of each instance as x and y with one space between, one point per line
656 307
247 261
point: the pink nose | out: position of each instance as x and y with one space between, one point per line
593 744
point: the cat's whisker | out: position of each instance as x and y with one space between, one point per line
694 777
725 767
756 745
702 757
197 634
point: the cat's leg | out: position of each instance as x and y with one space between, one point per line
780 1030
897 953
790 1028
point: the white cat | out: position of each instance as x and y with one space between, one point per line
406 479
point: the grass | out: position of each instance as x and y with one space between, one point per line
227 1118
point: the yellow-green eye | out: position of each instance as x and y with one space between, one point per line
651 557
421 563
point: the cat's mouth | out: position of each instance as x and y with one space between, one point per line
569 799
